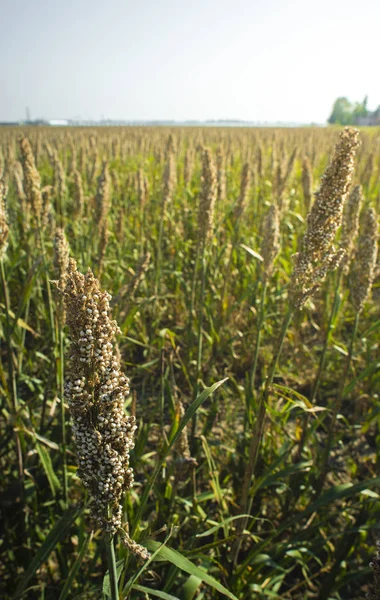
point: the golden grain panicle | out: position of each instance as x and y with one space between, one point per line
207 197
350 223
4 229
103 197
32 180
271 239
307 182
318 255
363 266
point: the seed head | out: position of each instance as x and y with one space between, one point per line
244 188
271 240
78 193
221 175
363 265
188 166
61 257
207 196
318 254
103 198
374 594
32 180
350 223
96 389
307 182
168 179
4 229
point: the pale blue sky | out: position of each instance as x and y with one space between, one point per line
202 59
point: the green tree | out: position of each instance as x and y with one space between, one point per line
342 112
360 110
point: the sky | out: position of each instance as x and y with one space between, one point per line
255 60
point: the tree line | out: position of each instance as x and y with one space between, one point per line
345 112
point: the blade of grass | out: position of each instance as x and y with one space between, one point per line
75 567
59 531
168 554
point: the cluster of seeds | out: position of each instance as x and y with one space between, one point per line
374 594
318 254
32 180
271 239
364 266
4 229
350 223
96 390
207 197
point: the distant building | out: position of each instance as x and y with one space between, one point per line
58 122
372 119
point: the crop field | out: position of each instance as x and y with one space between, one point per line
189 363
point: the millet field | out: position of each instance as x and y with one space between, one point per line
189 363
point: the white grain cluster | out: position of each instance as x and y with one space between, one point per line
96 390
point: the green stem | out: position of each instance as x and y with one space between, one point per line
322 363
63 420
226 279
192 299
159 248
112 568
12 378
47 283
256 439
336 408
11 372
257 434
200 338
257 344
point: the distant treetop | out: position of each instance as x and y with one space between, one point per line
345 112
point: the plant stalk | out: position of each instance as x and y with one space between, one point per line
109 541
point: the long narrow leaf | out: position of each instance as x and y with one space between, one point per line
186 565
59 531
75 568
48 468
157 593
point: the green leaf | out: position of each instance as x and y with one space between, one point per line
157 593
225 522
106 580
48 468
75 567
168 554
190 587
59 531
372 368
300 401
